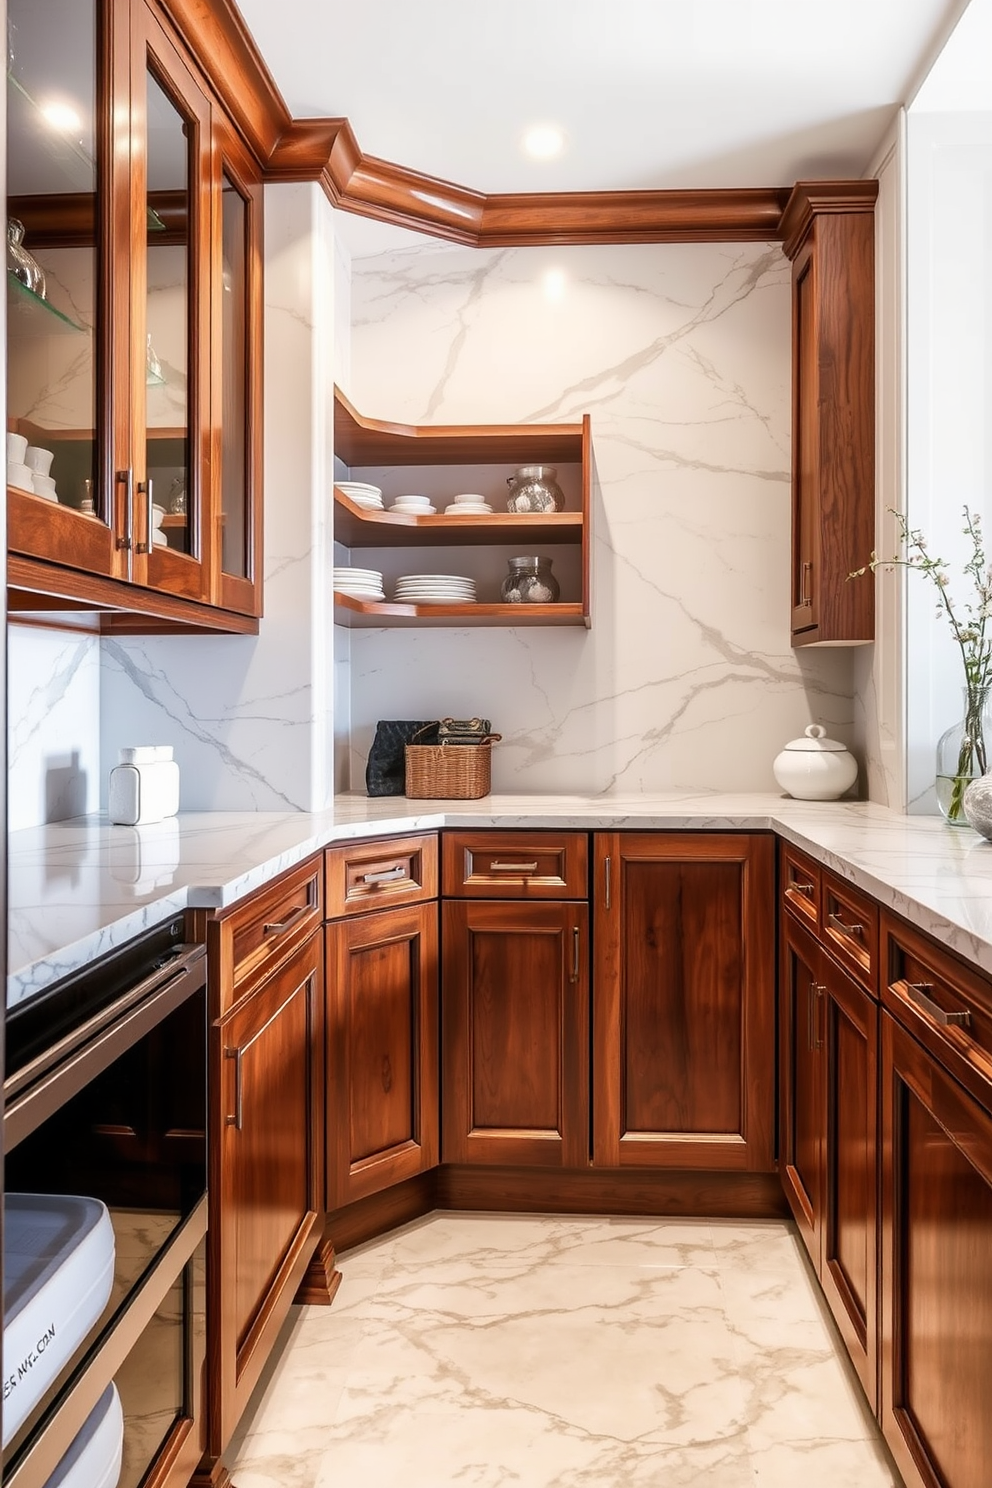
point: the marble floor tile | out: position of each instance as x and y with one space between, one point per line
561 1352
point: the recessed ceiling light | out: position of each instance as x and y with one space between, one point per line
60 116
543 141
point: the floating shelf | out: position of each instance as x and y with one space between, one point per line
358 528
357 613
26 308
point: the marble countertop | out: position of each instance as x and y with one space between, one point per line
78 888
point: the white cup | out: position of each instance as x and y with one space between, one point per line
44 485
20 475
17 448
39 460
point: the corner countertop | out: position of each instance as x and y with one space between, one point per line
78 888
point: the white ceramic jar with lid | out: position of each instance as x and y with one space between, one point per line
815 768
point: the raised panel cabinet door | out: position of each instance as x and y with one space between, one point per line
382 1050
684 1001
801 1125
805 455
265 1188
515 1033
847 1030
936 1276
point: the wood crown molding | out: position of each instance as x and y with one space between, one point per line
810 199
327 151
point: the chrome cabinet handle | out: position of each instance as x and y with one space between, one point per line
279 927
513 867
126 478
237 1120
917 993
147 489
836 923
575 954
391 875
607 866
806 889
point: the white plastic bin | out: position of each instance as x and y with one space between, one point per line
94 1459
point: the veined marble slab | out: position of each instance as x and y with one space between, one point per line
79 888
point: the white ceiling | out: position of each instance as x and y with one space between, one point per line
650 93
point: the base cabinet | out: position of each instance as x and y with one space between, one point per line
266 1183
684 1001
382 1050
515 1033
828 1081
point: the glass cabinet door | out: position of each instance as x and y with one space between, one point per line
170 317
60 281
237 373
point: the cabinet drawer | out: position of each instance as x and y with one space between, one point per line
946 1005
849 929
256 936
800 880
375 875
515 865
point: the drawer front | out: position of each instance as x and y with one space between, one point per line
375 875
849 929
946 1005
266 927
515 865
799 878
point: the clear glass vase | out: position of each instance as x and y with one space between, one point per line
963 754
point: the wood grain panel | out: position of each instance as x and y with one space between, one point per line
936 1280
514 865
364 441
363 876
515 1032
383 1030
801 1133
125 609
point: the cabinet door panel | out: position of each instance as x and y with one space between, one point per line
849 1243
936 1278
382 1050
515 1033
684 1001
800 1084
265 1190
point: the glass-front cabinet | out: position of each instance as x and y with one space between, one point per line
133 290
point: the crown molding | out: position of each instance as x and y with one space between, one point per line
327 151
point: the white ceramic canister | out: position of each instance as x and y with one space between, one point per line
815 768
144 786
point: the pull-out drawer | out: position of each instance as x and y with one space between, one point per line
945 1004
849 929
255 936
361 876
799 877
515 865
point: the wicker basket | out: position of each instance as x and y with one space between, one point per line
448 772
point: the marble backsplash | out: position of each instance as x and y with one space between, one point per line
53 733
681 354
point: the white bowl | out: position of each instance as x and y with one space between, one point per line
44 485
40 460
17 448
20 475
470 496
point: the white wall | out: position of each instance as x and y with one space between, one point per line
251 718
681 353
53 716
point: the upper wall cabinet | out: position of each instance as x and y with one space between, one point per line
133 325
442 462
829 234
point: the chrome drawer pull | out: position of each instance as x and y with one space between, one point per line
917 992
802 888
279 927
836 923
391 875
513 867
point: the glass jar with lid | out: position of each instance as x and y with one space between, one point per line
529 581
535 488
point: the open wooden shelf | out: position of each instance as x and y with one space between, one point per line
358 528
358 613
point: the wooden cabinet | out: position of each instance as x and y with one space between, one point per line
828 1109
382 1050
515 1033
828 231
684 1000
136 364
266 1158
440 462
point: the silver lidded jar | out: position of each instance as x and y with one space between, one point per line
535 488
530 581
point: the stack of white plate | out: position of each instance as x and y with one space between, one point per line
468 505
362 494
434 589
359 583
413 506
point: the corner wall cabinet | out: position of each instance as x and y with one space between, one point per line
440 462
828 229
135 358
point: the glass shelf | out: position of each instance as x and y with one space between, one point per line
24 305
